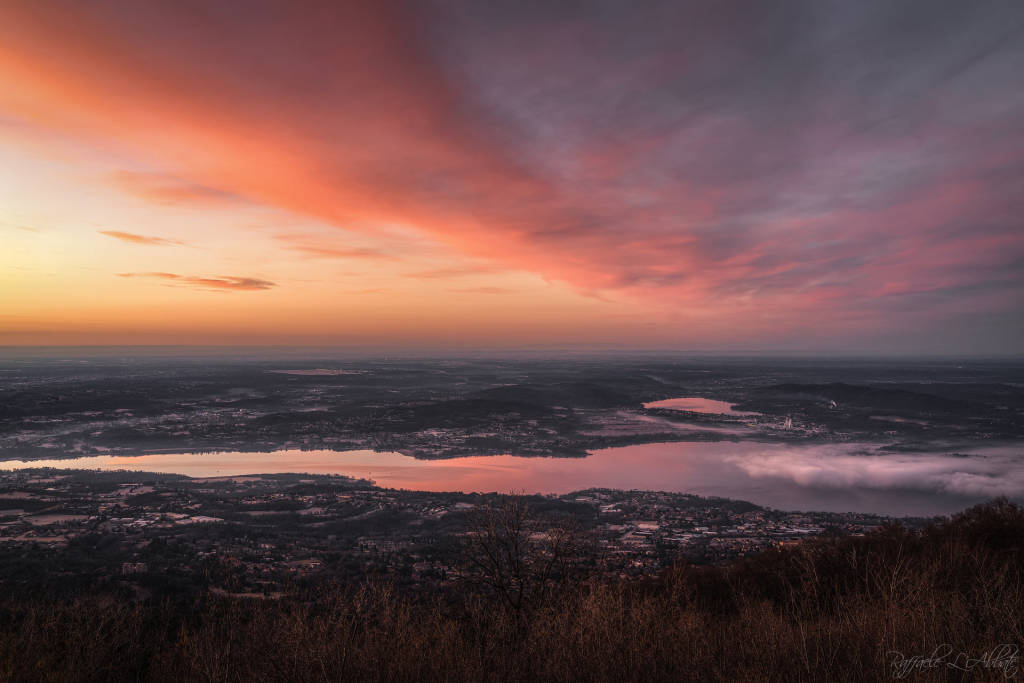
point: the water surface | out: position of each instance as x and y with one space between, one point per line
834 477
695 404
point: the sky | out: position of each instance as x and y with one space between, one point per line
819 176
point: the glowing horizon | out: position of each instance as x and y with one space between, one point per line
426 174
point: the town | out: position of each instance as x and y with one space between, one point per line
259 535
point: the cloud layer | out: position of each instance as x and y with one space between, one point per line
219 283
990 473
165 189
755 173
132 238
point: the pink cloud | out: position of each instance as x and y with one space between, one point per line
733 176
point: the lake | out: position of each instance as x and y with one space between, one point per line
692 404
832 477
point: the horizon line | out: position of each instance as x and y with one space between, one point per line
440 352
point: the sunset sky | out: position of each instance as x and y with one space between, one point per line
826 176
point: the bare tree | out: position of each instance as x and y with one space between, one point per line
522 557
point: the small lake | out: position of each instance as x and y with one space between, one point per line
699 405
831 477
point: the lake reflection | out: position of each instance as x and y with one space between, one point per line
699 405
833 477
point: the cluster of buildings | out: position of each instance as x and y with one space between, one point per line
640 531
254 535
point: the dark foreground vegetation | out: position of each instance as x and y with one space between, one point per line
831 609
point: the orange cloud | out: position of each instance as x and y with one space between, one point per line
167 189
15 226
141 239
219 283
445 273
308 245
482 290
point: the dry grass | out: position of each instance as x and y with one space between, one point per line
830 610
